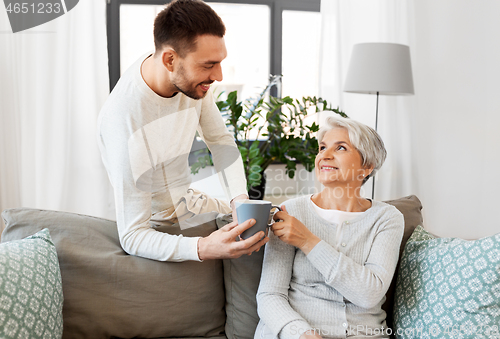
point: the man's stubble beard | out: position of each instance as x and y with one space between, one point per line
191 93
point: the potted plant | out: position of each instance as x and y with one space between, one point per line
270 130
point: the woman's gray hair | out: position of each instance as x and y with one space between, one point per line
364 138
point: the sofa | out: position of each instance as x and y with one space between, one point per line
105 293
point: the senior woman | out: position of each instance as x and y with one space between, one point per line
333 254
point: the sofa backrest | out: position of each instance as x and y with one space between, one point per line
411 208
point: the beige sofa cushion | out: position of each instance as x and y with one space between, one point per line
411 208
108 293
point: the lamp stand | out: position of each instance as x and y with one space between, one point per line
376 125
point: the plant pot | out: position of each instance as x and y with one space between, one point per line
257 192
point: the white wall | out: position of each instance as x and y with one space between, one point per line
457 92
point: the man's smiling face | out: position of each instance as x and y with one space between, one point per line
194 73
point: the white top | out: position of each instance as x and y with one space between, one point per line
335 217
336 291
145 141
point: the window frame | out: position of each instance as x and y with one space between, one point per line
276 8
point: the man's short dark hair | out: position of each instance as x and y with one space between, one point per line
182 21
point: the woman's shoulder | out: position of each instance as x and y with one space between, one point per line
298 203
386 210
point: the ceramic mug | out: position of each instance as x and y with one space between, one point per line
260 210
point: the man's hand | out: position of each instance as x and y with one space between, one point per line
222 243
233 205
293 232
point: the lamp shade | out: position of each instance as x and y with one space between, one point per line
380 67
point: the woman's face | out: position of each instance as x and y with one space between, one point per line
338 162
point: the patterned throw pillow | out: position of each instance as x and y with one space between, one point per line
448 288
31 296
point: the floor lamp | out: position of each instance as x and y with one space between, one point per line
379 68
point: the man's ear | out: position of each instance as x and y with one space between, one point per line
168 57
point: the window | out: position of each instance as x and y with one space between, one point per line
136 33
259 32
300 61
246 67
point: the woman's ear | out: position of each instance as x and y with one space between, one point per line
368 171
168 56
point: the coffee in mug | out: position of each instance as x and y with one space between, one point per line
260 210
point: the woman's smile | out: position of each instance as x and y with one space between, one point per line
328 168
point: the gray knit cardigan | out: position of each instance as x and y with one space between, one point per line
338 289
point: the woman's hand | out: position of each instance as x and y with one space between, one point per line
293 232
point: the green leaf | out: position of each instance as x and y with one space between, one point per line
255 144
201 162
256 161
243 151
253 153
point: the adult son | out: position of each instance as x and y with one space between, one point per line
146 129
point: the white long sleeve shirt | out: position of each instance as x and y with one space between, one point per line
145 141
